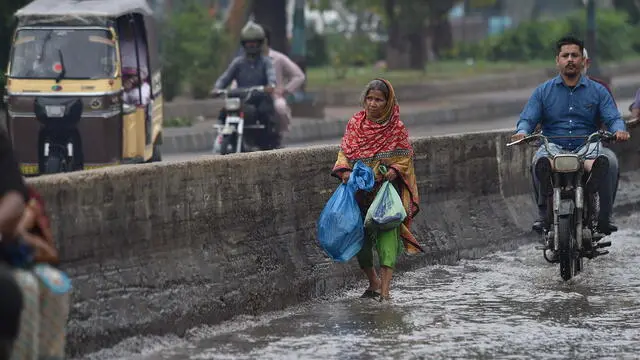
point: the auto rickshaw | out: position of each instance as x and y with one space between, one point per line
84 85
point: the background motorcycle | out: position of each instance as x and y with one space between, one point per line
244 128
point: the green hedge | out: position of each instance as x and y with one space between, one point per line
192 48
616 38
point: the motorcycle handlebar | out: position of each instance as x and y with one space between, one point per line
240 92
600 135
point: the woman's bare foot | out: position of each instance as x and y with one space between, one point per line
386 274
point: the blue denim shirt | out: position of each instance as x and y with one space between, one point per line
570 112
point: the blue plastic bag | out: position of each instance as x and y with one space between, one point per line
340 226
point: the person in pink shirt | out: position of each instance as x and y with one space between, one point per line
289 79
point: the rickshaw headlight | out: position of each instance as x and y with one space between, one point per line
566 163
232 104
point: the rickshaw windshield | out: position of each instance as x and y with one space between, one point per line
63 54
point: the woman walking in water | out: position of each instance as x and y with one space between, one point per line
376 136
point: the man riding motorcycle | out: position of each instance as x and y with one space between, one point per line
572 105
538 225
252 69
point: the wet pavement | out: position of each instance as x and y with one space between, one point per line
507 305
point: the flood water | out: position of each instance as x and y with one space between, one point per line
507 305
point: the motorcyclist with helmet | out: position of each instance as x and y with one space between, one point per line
252 68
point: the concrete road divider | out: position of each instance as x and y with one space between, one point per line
161 248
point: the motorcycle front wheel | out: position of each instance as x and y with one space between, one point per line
570 261
228 144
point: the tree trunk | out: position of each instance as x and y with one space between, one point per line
417 50
631 7
397 49
441 35
440 30
237 15
273 14
536 11
397 45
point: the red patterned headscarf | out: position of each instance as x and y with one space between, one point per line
364 137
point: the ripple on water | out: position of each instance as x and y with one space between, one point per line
510 305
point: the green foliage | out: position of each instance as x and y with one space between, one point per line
7 26
375 6
536 40
615 36
178 122
636 39
630 7
316 47
338 48
352 51
192 50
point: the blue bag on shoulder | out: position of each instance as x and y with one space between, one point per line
340 226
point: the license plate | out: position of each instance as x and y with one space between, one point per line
55 110
228 130
233 119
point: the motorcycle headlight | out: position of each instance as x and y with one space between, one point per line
566 163
232 104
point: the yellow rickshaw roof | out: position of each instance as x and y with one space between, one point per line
81 8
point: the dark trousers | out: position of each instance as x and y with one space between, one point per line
607 192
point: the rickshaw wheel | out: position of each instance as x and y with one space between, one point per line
54 165
157 153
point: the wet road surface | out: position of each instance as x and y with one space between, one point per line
507 305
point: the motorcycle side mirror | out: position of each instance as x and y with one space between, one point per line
128 109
